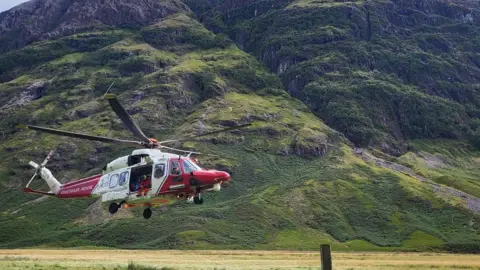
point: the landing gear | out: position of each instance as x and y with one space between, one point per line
113 208
147 213
198 196
198 199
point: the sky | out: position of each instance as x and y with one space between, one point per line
8 4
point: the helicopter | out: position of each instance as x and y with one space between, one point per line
148 177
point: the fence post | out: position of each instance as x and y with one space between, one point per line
326 257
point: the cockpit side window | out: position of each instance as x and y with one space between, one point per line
175 168
188 167
159 170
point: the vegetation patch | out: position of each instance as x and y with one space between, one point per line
422 240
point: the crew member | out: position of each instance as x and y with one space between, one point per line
145 185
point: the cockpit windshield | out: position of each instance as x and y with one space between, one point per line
189 166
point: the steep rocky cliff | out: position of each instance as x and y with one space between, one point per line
382 72
42 19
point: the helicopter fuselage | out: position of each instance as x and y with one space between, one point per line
170 177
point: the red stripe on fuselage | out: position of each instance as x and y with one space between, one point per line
79 188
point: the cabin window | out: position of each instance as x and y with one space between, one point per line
114 180
159 170
175 168
104 181
123 178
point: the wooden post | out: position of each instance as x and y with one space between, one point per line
325 257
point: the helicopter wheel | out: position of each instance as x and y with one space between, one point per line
147 213
113 208
198 196
198 199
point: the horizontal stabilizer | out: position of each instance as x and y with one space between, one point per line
29 190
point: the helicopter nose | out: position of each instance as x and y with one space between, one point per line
223 176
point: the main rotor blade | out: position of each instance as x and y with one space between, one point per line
187 138
78 135
125 117
188 152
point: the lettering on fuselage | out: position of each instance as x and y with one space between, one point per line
105 182
78 189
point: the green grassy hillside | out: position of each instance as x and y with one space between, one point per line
381 72
296 182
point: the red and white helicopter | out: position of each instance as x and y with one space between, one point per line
148 177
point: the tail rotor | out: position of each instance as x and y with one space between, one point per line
39 168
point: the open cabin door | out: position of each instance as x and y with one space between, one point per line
141 181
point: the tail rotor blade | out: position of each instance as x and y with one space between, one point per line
47 159
31 179
126 119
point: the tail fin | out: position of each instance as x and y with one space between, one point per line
47 175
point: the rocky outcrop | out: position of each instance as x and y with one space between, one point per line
311 143
32 92
469 201
42 19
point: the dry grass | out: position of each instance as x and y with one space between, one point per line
119 259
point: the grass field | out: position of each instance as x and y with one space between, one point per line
128 259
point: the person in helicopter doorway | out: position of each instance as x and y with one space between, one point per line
145 185
134 184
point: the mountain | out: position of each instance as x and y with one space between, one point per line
40 19
407 69
365 120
